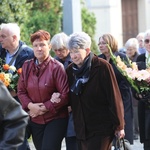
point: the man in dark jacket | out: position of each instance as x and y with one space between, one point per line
13 121
14 52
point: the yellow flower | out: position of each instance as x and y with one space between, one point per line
120 63
134 66
8 77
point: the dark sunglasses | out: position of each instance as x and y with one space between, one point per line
147 41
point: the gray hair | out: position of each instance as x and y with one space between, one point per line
59 41
12 28
141 34
147 33
132 42
79 40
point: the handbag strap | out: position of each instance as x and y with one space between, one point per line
120 143
20 49
123 142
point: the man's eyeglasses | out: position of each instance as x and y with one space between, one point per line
147 41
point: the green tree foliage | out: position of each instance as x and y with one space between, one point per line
14 11
32 15
88 26
46 15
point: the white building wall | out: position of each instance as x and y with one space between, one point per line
108 14
143 15
147 14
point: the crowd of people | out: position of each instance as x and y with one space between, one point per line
75 95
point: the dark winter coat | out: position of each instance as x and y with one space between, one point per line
98 110
143 110
13 121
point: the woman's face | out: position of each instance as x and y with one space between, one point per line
61 53
41 49
103 46
130 51
140 41
147 43
78 56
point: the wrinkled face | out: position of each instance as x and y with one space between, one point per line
103 46
130 51
41 49
61 53
6 39
78 56
147 43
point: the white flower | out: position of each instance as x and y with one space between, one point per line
143 75
13 68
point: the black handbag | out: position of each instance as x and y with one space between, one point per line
122 144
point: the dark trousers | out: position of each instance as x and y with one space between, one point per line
135 120
49 136
71 143
25 145
146 145
96 142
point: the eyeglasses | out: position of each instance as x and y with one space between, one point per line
101 43
147 41
59 50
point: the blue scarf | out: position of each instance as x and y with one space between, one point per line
81 75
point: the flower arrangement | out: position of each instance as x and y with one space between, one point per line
138 79
9 75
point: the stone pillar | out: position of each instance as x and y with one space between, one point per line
71 16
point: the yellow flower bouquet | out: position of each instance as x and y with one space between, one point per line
9 75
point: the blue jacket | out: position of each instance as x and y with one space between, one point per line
25 54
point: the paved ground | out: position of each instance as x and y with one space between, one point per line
136 146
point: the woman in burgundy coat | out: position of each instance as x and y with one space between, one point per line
41 80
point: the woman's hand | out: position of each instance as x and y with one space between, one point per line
13 93
69 109
120 134
36 109
148 80
55 98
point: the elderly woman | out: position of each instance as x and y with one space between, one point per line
143 62
95 97
59 46
43 91
124 87
131 47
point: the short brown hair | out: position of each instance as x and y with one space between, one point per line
41 35
111 41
